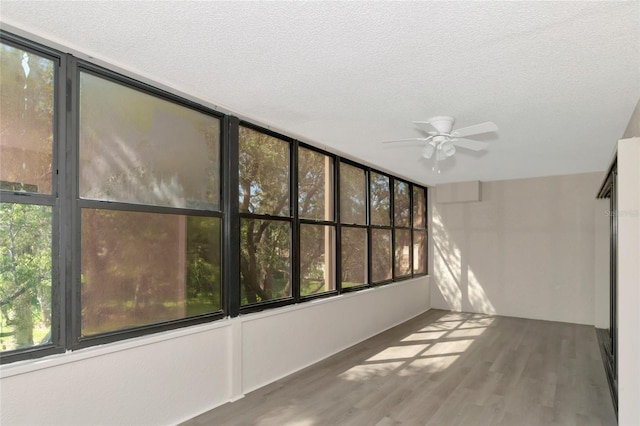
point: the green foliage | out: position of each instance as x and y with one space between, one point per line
141 268
26 135
135 147
26 120
401 203
25 273
264 173
317 273
315 180
354 256
264 244
380 200
352 194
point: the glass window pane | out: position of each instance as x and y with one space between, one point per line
25 276
26 120
381 254
354 256
315 185
317 267
352 194
264 173
401 203
143 268
138 148
265 261
419 252
402 258
419 204
380 200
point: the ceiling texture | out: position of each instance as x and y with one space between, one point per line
560 79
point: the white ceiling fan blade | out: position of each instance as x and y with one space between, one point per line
476 129
470 144
408 140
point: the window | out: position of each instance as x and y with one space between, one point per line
419 251
126 210
265 263
315 185
354 257
380 199
401 203
352 195
381 232
419 207
381 255
152 254
26 275
265 211
402 231
402 258
27 198
317 248
353 214
317 225
158 267
419 231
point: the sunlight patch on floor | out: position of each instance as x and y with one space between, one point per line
466 332
445 325
367 371
424 336
428 365
450 347
443 342
477 322
398 352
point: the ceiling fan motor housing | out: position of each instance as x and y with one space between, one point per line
443 123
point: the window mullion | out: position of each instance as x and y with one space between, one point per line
295 225
70 208
230 197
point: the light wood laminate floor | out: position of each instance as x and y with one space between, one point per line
442 368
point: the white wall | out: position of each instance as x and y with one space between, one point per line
633 128
629 282
170 377
527 249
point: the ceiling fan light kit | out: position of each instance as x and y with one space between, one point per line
447 148
428 150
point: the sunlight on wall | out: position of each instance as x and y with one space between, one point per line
453 276
477 297
447 268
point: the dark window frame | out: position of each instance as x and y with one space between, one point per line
66 206
75 338
291 219
368 257
389 227
55 200
396 227
307 221
424 229
341 225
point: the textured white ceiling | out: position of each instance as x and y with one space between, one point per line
560 79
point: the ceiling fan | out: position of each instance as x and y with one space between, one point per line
443 139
